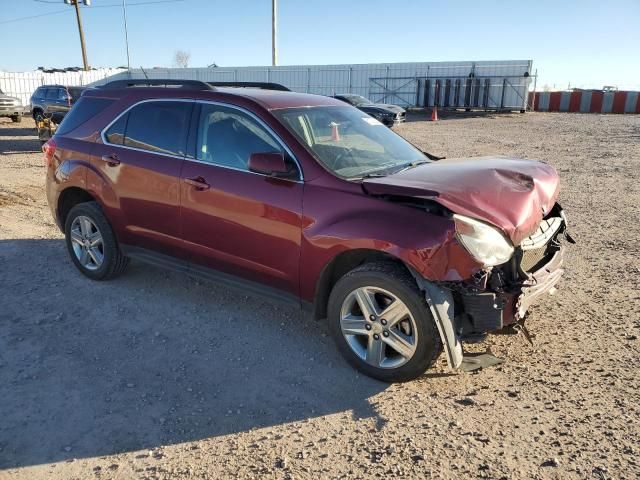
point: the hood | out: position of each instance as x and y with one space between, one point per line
388 106
7 97
381 107
509 193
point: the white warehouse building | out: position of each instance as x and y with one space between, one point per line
485 85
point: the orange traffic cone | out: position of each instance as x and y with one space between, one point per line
335 135
434 114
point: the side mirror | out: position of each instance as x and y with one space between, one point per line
272 164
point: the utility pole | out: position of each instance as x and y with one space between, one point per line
126 34
274 35
80 31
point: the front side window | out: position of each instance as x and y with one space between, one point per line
228 137
348 142
158 126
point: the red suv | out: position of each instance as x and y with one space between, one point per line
308 200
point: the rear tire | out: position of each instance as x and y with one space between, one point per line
386 283
16 118
92 244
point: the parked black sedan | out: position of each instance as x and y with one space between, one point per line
387 114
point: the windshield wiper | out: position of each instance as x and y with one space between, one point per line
368 175
373 175
409 165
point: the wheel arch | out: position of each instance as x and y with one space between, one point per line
69 198
340 265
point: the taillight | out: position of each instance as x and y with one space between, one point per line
49 148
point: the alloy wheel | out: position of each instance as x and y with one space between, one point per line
378 327
87 243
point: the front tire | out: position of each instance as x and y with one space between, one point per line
381 323
16 118
92 244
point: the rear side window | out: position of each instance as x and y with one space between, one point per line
53 93
160 127
84 109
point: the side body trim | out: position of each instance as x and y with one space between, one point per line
209 274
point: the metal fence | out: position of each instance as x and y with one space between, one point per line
497 85
23 84
490 85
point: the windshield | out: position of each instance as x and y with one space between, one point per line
357 100
349 142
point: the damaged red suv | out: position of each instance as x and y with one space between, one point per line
308 200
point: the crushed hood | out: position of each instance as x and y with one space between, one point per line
509 193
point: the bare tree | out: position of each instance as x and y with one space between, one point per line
181 59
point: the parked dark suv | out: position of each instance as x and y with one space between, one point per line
308 200
54 101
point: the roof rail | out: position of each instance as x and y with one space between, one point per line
159 82
263 85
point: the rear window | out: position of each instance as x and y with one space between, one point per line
75 93
84 109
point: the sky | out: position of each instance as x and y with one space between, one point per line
580 43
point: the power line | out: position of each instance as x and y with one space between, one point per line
33 16
112 5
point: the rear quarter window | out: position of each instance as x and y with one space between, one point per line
84 109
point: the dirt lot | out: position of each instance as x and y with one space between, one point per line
157 375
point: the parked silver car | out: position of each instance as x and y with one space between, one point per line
11 107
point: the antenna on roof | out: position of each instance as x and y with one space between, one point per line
144 73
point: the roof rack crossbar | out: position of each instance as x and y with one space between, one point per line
159 82
263 85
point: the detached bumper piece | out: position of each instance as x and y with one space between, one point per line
541 282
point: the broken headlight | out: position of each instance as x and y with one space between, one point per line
485 243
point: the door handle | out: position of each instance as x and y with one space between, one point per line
111 160
198 182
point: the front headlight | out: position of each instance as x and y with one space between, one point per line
485 243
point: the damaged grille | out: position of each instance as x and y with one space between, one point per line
535 251
533 259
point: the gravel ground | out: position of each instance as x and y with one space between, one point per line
157 375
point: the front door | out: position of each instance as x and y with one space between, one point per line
234 220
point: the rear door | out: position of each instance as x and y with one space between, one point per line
57 101
140 161
234 220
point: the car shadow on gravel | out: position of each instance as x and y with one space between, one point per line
153 358
22 131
